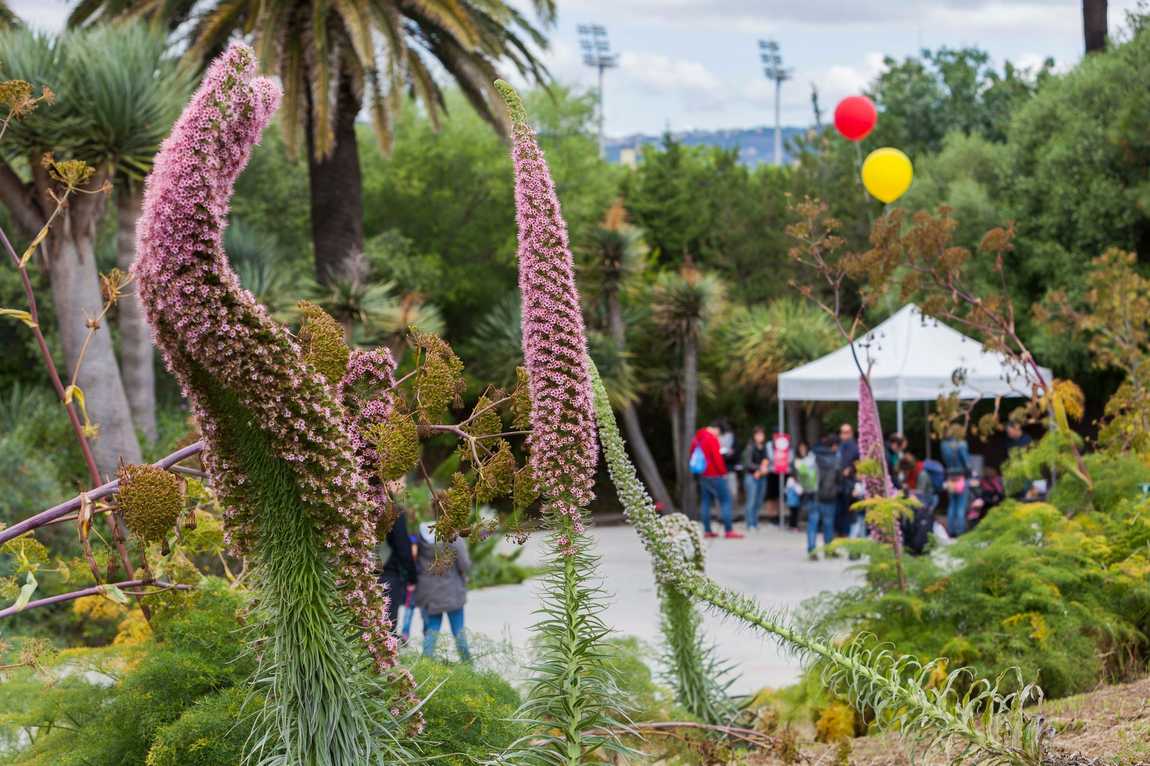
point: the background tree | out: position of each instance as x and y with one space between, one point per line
1094 27
683 303
331 58
85 123
141 91
614 253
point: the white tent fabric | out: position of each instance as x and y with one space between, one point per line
915 358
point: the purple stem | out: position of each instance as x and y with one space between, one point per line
95 590
63 509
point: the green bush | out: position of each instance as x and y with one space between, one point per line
1067 600
490 567
113 703
470 713
210 733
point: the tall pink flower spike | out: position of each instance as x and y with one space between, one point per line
219 342
564 448
871 444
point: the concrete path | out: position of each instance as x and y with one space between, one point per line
770 565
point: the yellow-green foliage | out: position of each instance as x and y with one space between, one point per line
195 653
470 715
396 440
323 344
1065 599
526 489
151 499
521 401
836 723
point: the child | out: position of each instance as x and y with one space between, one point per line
442 590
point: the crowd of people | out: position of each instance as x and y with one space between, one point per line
822 485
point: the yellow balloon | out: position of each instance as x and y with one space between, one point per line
886 173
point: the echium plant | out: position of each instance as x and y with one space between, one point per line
573 704
278 450
699 678
985 725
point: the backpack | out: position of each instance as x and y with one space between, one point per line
698 462
827 468
936 473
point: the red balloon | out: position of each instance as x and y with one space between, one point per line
855 117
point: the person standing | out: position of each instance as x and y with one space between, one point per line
956 461
713 486
727 449
848 522
755 468
442 590
398 570
824 508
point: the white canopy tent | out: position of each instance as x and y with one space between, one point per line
913 358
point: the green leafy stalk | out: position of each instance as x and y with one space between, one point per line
990 727
319 703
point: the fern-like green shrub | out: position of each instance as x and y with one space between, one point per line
1065 600
110 705
211 732
470 713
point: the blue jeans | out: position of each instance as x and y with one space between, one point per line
431 625
822 513
755 489
715 488
956 511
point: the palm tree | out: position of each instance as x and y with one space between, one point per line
765 341
615 252
143 90
110 114
683 305
495 349
330 56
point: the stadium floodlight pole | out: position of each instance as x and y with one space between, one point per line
597 54
774 70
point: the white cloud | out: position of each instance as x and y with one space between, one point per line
48 15
692 81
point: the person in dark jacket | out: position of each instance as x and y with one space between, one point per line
848 522
755 476
824 508
398 570
442 590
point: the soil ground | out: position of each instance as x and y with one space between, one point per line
1106 727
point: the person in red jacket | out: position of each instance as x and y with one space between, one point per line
713 484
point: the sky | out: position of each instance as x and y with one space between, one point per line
693 64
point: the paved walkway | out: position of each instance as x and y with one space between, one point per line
769 565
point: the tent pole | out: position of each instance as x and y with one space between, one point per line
898 419
926 412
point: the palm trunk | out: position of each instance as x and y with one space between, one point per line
1094 25
337 191
648 468
690 415
76 296
137 355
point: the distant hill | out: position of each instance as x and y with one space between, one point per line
755 145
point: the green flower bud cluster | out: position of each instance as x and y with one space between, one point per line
322 340
151 499
439 381
496 474
455 506
396 442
